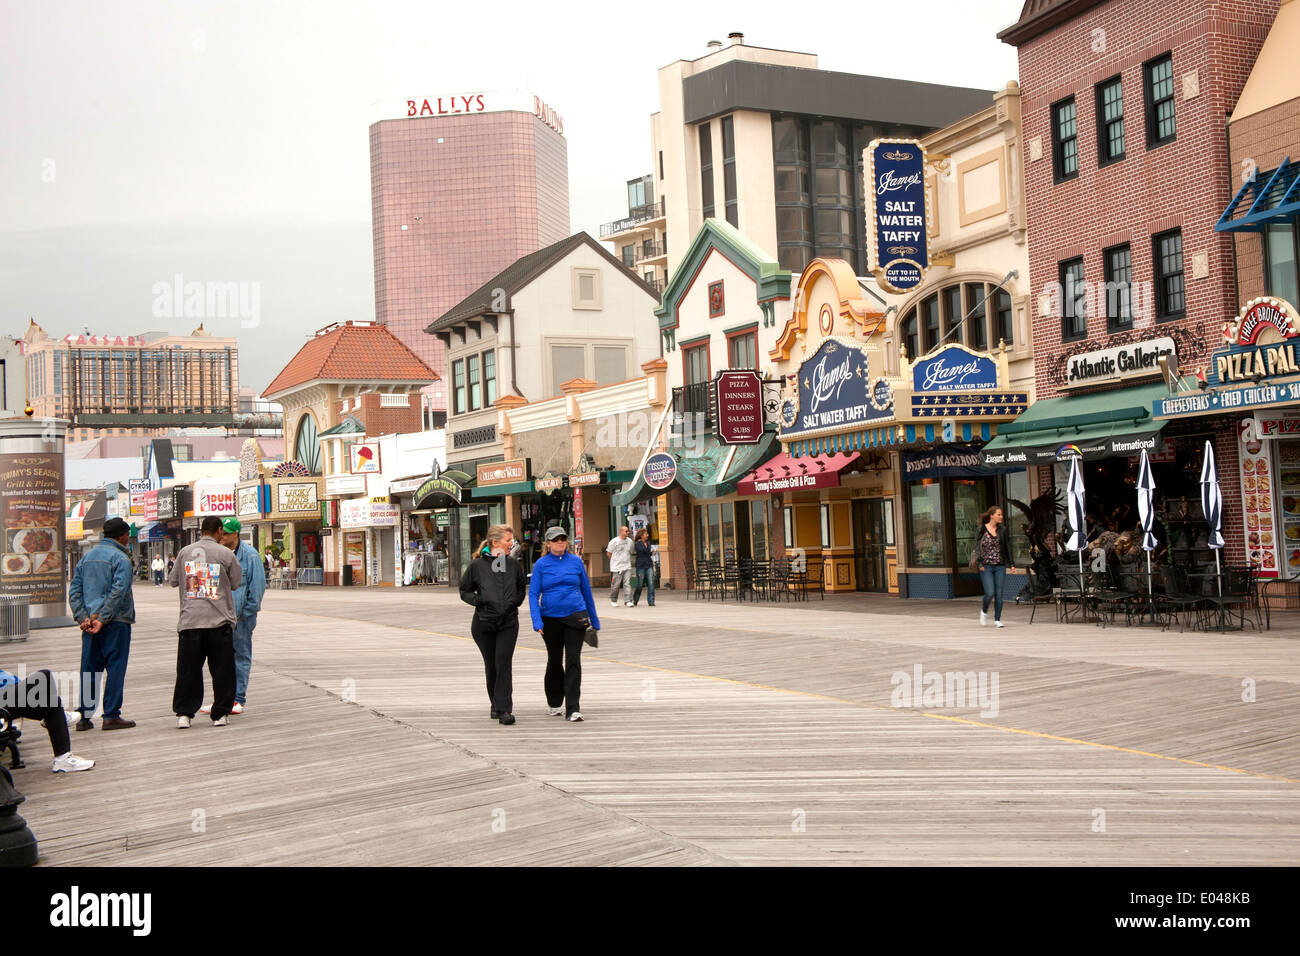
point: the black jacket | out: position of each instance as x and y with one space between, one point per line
1004 541
494 589
645 557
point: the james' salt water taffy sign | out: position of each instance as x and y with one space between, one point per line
836 390
897 206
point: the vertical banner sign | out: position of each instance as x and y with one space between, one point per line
740 408
31 515
577 521
899 213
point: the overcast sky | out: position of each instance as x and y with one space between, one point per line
228 141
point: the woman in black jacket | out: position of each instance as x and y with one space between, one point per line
644 568
495 585
993 557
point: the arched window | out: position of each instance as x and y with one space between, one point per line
306 446
958 313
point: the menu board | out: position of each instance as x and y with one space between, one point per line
31 514
1287 496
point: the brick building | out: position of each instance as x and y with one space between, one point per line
1126 163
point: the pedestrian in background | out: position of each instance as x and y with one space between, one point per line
207 573
620 568
993 556
645 568
159 568
562 608
248 601
103 604
495 585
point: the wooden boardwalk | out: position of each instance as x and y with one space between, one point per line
717 734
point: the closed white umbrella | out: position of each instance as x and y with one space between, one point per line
1212 506
1074 504
1146 489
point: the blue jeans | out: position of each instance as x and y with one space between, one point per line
106 651
993 577
243 641
645 578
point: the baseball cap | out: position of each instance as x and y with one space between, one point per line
115 528
554 532
231 525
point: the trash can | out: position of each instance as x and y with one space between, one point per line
15 621
347 575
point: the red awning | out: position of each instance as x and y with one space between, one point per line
784 473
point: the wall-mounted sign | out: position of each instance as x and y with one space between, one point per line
1127 446
835 390
660 470
502 472
954 368
1116 364
167 504
1276 425
33 521
248 501
214 497
792 474
1226 400
363 457
898 213
349 484
360 513
137 487
740 408
469 104
297 497
944 461
448 485
578 479
549 483
1260 315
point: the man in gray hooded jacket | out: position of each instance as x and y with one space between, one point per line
207 573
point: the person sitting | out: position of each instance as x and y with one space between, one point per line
37 698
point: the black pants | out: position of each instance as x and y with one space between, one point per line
496 642
216 645
563 681
37 698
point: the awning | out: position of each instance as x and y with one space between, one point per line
711 470
882 437
1268 197
787 473
1100 425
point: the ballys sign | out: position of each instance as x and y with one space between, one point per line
835 389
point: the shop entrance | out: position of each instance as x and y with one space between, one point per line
970 498
873 532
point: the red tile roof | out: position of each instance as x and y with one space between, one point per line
352 353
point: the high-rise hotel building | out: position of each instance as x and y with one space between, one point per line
461 186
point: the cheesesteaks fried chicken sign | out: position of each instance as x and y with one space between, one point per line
836 391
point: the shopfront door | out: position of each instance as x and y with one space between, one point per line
970 497
873 532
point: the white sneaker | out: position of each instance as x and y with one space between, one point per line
627 603
205 709
69 763
71 716
182 722
984 618
998 624
613 604
219 722
575 716
555 711
238 708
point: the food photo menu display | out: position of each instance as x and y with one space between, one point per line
1288 497
31 515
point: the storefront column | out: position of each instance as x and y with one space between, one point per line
676 564
291 545
515 513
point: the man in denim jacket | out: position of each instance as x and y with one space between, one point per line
248 601
102 603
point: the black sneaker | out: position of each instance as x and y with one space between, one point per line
507 718
494 714
85 723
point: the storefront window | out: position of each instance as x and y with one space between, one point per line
701 533
925 507
826 525
1280 248
714 551
1017 486
789 530
727 546
970 498
758 529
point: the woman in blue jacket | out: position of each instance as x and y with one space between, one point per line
559 598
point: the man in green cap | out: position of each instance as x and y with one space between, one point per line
248 601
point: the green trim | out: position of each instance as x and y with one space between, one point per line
509 488
617 477
741 328
771 281
698 340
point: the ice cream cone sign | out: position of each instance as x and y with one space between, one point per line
365 458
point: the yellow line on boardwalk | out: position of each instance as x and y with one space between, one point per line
863 703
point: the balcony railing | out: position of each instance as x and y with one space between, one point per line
636 216
651 250
693 412
656 284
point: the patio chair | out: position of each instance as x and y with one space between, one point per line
1177 596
